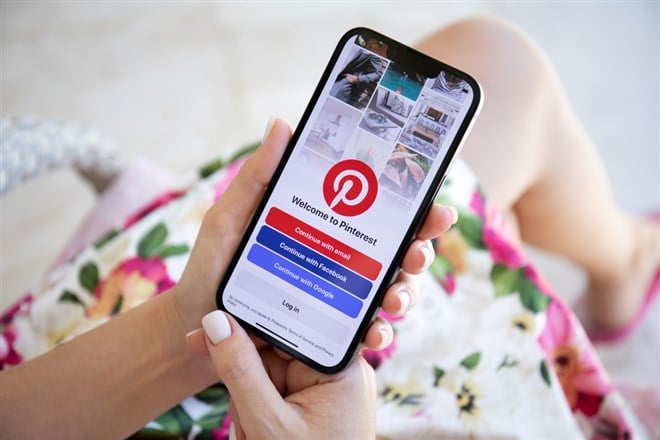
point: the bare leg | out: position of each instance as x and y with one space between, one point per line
539 166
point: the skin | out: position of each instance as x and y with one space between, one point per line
140 363
275 397
539 166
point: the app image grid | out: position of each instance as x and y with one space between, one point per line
427 129
357 80
450 85
387 116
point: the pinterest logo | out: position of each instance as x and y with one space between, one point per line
350 187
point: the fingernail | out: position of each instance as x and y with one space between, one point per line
384 337
269 127
216 326
404 300
191 333
453 214
428 254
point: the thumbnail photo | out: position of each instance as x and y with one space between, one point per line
369 149
450 85
403 81
332 129
310 164
386 114
393 201
358 79
427 128
404 172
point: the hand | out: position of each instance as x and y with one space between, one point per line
225 223
272 397
351 78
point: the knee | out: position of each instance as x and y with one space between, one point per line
498 53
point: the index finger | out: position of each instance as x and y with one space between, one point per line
439 219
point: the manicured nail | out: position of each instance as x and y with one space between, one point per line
453 214
404 300
216 326
428 254
384 337
191 333
269 127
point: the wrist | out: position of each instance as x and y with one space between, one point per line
189 305
175 324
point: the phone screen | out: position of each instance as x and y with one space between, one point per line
360 173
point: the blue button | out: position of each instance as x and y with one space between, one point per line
314 262
305 281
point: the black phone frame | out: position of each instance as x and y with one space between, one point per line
432 68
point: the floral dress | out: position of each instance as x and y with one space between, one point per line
490 351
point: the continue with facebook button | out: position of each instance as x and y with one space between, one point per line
305 281
314 262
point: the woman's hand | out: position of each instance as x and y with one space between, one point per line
272 397
225 223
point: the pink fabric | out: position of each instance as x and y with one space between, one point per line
137 184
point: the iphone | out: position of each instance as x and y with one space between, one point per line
357 179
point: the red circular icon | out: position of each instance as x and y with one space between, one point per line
350 187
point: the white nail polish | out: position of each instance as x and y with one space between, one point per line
216 326
269 127
384 338
428 254
404 300
454 214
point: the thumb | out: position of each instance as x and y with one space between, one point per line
240 367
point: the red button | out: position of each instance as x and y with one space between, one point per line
323 243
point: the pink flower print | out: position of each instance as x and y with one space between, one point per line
8 354
387 317
376 357
501 241
448 283
230 173
583 380
131 283
156 203
222 432
477 204
22 307
532 274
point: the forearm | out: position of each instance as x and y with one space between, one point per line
106 383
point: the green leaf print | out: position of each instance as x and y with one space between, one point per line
213 418
211 167
170 251
117 307
107 237
440 266
150 244
531 297
89 276
212 395
507 362
504 280
70 297
207 169
437 375
471 361
471 228
176 421
543 368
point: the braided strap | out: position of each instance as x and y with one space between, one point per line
30 146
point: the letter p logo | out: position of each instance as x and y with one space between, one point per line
350 187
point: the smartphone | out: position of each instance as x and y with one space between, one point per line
354 184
